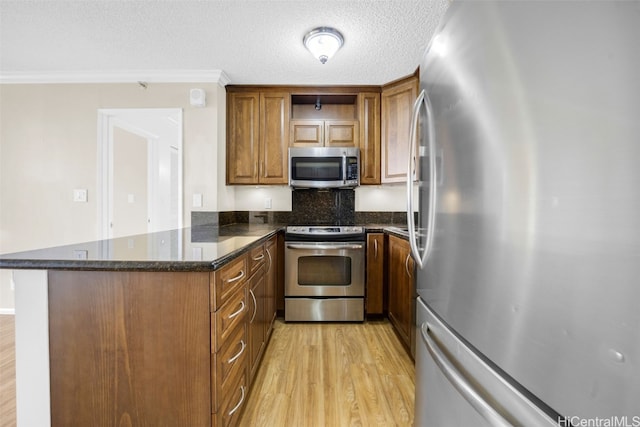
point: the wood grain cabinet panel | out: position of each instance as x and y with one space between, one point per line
257 137
369 142
274 137
243 133
324 133
341 133
397 106
307 133
257 259
227 318
233 400
401 285
256 327
271 278
227 280
375 274
231 358
129 348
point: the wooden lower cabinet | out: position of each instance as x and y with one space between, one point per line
159 348
271 279
375 274
401 282
256 289
129 348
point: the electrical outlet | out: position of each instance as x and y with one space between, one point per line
197 200
80 195
80 254
267 203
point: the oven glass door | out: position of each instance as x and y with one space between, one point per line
324 269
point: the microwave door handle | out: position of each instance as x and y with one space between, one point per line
344 168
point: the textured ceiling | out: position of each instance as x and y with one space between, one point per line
252 42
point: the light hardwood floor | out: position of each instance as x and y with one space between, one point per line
7 371
333 374
312 374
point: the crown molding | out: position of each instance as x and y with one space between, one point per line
117 76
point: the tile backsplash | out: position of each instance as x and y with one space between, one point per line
323 207
309 207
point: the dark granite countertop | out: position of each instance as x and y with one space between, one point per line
202 248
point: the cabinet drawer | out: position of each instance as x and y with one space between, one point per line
226 363
225 320
227 280
257 257
233 399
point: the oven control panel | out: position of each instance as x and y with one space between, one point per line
325 232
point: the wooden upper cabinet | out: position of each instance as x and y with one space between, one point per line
257 137
369 115
307 133
324 133
243 130
275 109
341 133
397 105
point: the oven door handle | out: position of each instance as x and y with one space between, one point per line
324 247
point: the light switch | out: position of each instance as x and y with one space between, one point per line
197 200
80 195
267 203
131 198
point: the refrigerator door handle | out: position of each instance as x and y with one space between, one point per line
458 380
421 259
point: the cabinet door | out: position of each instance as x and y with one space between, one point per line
271 279
129 348
243 149
369 115
375 273
397 106
275 109
307 133
400 287
256 321
341 133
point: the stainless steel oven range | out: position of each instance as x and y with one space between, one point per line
324 273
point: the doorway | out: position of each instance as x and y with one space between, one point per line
140 163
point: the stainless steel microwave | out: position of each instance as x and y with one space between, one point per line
324 167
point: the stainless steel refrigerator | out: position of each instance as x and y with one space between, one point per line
527 216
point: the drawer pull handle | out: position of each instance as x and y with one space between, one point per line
232 315
238 277
259 257
234 358
235 408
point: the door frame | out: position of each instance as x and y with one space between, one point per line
107 120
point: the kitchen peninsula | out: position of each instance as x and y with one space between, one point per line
158 329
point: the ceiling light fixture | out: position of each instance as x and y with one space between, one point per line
323 42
